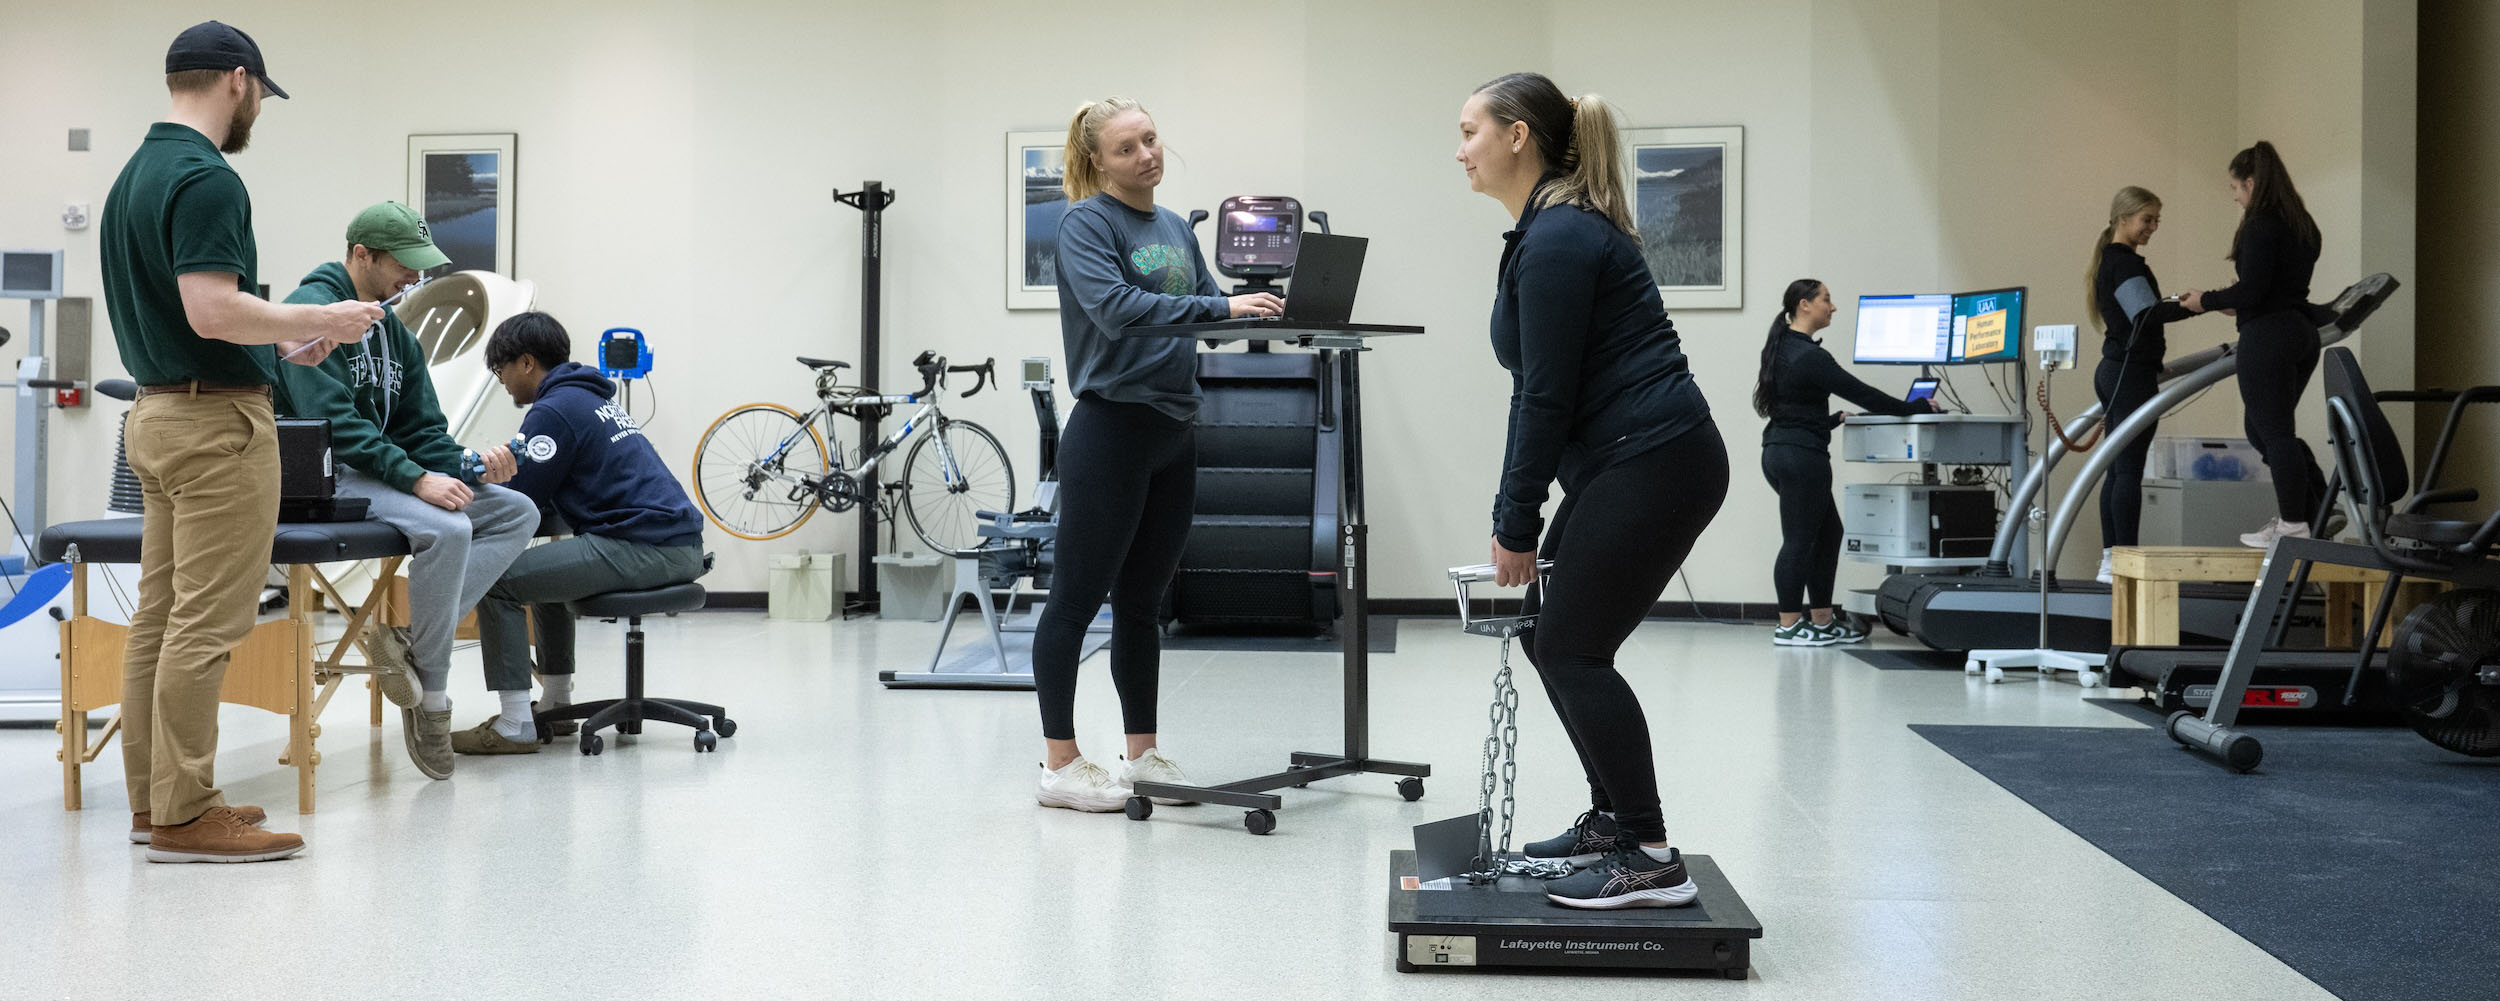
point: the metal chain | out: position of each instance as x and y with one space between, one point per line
1502 735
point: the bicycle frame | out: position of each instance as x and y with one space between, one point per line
870 458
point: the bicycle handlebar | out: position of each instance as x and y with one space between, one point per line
934 369
987 370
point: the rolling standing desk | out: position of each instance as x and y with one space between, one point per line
1341 344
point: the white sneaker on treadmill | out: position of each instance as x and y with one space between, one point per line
1152 766
1081 785
2275 528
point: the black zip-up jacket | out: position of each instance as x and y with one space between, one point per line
2274 270
1802 391
2118 287
1597 371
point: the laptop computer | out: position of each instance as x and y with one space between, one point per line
1326 270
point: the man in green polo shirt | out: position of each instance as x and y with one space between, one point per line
179 264
395 450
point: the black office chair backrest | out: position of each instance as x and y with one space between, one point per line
2365 444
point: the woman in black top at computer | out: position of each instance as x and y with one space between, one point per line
2274 252
1602 401
1794 390
2127 304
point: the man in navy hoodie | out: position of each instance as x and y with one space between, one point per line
634 527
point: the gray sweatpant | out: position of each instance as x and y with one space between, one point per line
544 578
458 556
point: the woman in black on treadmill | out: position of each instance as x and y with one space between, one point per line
2274 252
1601 399
1794 390
2128 306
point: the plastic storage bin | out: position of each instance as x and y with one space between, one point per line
803 586
2210 459
913 586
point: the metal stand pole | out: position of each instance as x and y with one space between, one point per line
871 201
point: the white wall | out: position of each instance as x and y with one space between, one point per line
674 173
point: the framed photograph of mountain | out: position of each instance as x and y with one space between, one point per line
1688 199
462 185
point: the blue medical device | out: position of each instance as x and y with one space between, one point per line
624 357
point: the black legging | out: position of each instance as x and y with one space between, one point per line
1615 543
2277 354
2123 388
1128 480
1809 559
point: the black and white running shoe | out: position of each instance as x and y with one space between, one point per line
1627 877
1589 839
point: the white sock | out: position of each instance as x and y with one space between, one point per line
514 720
1660 854
555 689
434 702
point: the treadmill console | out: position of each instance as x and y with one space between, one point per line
1257 236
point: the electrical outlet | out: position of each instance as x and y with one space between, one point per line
74 216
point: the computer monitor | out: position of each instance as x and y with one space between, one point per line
1911 329
1987 327
30 274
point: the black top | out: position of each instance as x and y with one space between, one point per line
1597 371
2121 266
1802 391
2274 269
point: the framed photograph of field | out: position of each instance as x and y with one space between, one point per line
462 185
1688 199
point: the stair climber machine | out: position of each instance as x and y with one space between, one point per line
1994 608
1262 546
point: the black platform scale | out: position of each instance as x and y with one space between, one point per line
1511 925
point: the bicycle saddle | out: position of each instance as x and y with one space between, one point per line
822 362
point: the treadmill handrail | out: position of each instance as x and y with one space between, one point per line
2351 308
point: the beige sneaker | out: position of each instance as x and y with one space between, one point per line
485 739
141 831
1152 766
394 668
1080 785
429 741
220 835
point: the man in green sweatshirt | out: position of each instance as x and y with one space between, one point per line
395 450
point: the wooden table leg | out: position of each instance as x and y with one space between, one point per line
73 723
2122 610
300 722
2157 612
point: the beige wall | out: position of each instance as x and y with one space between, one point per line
2460 82
674 171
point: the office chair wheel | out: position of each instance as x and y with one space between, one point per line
726 726
1139 808
2088 679
1411 788
1259 821
593 743
705 742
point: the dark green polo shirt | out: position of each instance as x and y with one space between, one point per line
177 208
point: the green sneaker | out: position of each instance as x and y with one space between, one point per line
429 741
485 739
1802 632
1845 629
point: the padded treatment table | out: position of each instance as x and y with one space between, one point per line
278 665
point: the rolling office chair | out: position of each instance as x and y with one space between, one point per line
627 714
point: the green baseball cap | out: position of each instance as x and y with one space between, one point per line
397 230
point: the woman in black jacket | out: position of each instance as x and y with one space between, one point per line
2274 252
1794 390
1603 401
2127 304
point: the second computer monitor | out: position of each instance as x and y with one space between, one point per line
1939 329
1987 327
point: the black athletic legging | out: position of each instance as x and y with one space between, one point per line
1615 543
2277 355
1809 559
2123 388
1128 480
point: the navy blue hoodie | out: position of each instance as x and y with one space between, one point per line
591 463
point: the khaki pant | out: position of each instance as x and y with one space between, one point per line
208 467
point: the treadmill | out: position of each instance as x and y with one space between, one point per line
1992 608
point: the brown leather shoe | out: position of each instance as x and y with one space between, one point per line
141 830
220 835
484 739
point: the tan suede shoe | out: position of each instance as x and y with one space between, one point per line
141 831
428 735
484 739
219 835
394 666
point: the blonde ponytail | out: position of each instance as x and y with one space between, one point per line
2129 201
1593 166
1079 177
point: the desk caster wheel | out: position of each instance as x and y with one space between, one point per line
1996 675
593 743
705 742
1970 667
1139 808
725 726
1412 788
2088 679
1259 821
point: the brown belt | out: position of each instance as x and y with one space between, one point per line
196 386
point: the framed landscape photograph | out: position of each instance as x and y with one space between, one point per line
462 186
1688 199
1034 205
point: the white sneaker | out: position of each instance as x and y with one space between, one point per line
2103 574
1081 785
2275 528
1152 766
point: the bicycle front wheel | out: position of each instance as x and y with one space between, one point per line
952 473
753 471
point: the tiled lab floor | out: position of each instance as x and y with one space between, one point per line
858 842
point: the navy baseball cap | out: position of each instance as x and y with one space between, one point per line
216 45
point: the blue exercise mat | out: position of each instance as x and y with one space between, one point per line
36 593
